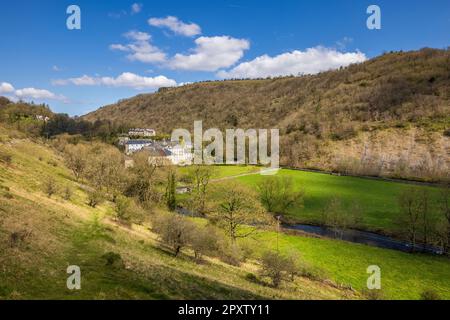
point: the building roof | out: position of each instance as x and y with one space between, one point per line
140 142
156 151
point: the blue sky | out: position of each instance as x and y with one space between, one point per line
126 48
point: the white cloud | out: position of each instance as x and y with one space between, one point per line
310 61
211 54
140 49
126 79
38 94
138 35
136 8
343 43
6 87
56 68
177 26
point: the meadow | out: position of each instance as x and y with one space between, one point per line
69 232
377 199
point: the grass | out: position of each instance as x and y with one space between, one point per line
225 171
378 199
67 233
403 276
64 233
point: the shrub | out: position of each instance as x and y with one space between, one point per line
252 277
204 240
18 237
68 192
230 253
430 294
50 187
278 267
174 231
122 206
373 294
113 259
95 197
5 158
447 133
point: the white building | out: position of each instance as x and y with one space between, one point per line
181 154
132 146
141 132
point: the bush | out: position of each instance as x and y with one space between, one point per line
204 240
95 197
278 267
312 273
430 294
373 294
113 259
230 253
68 192
18 237
122 208
174 231
252 278
447 133
126 210
50 187
5 158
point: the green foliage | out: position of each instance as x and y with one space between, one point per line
122 208
430 294
277 267
278 195
95 197
67 193
113 259
171 199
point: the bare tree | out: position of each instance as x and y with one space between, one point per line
278 194
200 177
50 187
238 211
76 159
174 230
444 208
278 267
339 218
410 213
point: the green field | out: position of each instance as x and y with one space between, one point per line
378 199
72 233
403 275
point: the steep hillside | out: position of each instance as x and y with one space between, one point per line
41 236
387 116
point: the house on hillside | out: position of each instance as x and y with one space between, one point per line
138 132
132 146
181 154
158 156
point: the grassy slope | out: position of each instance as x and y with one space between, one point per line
404 276
71 233
377 198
